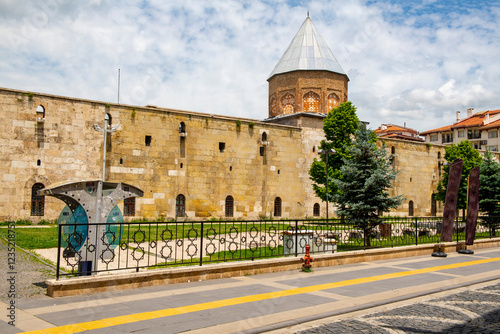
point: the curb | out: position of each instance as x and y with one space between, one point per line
113 282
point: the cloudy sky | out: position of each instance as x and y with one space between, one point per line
413 62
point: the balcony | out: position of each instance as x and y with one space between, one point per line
474 134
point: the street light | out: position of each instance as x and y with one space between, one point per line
327 152
99 198
106 131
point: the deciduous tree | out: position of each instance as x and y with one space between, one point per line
339 127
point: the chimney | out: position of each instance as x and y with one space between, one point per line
458 115
486 119
470 111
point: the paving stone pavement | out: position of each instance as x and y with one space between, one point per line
476 311
31 274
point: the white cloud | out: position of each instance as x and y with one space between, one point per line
412 62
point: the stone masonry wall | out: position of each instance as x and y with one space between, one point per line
222 157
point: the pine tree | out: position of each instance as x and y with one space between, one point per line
489 189
363 189
339 127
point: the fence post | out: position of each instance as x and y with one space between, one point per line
58 262
416 231
296 238
201 245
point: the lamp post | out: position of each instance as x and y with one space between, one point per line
327 152
105 131
99 199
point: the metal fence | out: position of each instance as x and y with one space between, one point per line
90 248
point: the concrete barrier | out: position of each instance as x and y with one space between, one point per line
113 282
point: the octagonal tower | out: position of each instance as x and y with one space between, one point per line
307 78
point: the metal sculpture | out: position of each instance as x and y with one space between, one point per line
472 209
94 202
450 206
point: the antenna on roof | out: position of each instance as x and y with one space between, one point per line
118 86
308 13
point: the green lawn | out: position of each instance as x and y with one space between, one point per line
34 238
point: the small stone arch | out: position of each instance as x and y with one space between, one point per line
40 111
182 127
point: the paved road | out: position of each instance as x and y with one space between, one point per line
393 296
469 310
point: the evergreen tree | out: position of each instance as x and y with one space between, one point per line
339 127
366 176
471 158
489 189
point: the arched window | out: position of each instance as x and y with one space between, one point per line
277 207
272 107
129 206
316 210
109 119
264 136
410 208
333 101
180 206
433 205
182 127
229 206
288 103
40 112
37 201
311 102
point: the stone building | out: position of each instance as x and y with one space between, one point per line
193 165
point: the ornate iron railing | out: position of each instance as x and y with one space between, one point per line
92 248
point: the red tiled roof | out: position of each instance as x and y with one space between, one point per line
495 124
390 128
475 120
398 136
442 129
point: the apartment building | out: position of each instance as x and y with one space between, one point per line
480 128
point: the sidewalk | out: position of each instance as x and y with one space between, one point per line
262 303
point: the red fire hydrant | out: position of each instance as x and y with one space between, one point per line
306 265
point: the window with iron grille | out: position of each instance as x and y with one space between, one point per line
180 206
229 206
316 210
410 208
129 206
37 201
277 207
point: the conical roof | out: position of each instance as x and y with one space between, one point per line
307 51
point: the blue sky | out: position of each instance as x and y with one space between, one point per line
413 62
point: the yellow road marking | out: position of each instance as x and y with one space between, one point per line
125 319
